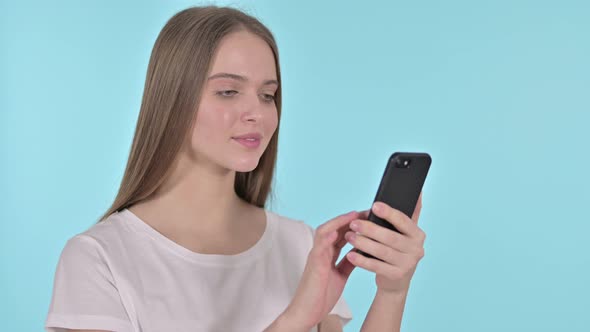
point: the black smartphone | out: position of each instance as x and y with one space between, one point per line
400 186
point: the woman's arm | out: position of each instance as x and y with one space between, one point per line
398 255
386 311
331 323
284 323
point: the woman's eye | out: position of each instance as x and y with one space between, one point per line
227 93
268 97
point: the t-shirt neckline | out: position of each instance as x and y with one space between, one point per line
249 255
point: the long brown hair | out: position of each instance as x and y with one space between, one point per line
177 70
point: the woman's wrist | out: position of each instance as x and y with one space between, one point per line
392 296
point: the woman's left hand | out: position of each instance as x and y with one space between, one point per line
400 252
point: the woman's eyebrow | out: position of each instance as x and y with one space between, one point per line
239 78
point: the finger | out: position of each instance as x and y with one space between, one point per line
334 250
393 239
397 218
345 267
341 241
322 248
325 242
341 226
416 214
336 223
364 214
372 264
376 249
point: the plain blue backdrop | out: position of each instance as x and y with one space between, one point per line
498 92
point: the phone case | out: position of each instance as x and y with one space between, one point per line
400 186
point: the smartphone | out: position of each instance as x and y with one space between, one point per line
400 186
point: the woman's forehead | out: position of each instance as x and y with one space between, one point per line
245 54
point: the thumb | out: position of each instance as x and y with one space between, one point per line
345 267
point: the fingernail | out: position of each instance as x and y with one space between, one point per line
377 207
354 225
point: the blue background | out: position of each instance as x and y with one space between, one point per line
498 92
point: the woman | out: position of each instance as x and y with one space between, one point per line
188 245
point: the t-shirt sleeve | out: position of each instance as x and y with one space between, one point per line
341 308
85 295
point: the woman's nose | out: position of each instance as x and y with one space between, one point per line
252 109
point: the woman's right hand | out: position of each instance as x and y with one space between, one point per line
323 281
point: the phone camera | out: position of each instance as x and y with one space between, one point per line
402 163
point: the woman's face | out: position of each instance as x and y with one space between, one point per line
237 99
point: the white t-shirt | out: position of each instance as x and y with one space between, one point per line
122 275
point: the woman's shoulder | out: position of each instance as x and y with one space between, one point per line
290 226
103 234
99 243
288 220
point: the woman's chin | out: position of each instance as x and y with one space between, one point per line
245 166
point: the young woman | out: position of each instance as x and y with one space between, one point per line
188 244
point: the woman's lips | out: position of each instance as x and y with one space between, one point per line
249 143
